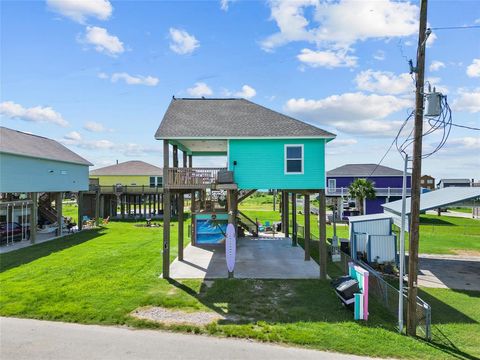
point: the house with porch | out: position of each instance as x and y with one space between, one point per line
386 180
35 172
260 148
122 190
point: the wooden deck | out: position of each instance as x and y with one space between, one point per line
196 178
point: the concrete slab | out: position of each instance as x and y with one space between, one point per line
449 272
257 258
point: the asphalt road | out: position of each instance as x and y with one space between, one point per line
35 339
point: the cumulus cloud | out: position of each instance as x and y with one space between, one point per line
384 82
473 70
131 79
74 136
39 114
182 42
224 4
200 89
354 113
342 142
467 101
75 139
328 58
467 143
94 126
247 92
436 65
80 10
379 55
339 25
102 41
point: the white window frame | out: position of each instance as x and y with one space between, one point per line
285 159
334 181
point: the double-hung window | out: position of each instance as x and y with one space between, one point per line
155 181
294 159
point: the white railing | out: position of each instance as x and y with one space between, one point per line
390 191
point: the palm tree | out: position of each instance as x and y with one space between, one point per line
361 189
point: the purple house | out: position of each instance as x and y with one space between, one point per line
387 182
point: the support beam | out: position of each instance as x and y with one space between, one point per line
166 214
97 207
181 198
306 237
322 224
232 203
59 210
294 220
286 214
34 218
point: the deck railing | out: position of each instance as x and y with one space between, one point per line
192 178
390 191
125 189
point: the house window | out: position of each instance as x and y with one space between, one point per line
429 181
155 181
332 184
159 181
293 159
152 181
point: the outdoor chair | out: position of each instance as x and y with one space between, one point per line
106 220
268 226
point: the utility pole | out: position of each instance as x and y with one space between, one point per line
416 174
402 245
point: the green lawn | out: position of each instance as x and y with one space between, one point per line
100 276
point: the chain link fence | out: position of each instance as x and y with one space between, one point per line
379 288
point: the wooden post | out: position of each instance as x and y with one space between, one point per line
180 225
102 206
286 214
306 237
232 203
97 207
34 218
59 210
416 174
80 210
294 219
323 235
174 195
166 214
144 198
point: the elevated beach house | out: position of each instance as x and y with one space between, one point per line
35 172
386 181
261 149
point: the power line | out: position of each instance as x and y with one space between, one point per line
466 127
456 27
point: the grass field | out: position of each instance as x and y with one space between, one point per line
100 276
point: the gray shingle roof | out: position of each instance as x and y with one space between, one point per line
230 118
20 143
133 167
364 170
455 181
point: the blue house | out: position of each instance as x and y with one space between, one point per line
387 182
35 172
260 148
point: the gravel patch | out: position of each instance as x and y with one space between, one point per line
176 317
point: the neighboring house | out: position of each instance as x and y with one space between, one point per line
130 173
134 187
34 172
387 182
427 182
260 149
444 183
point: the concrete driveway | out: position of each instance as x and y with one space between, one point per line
257 258
34 339
449 271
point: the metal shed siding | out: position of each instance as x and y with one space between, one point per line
28 174
376 227
260 164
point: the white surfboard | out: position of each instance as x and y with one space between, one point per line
230 247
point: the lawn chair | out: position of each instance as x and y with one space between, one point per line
268 226
106 220
260 227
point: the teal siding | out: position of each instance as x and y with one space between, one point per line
260 164
27 174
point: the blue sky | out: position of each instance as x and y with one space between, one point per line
98 75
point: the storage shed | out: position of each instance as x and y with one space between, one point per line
371 238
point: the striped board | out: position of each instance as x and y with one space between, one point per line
230 247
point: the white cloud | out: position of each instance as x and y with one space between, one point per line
102 41
102 75
200 89
473 70
340 24
182 42
247 92
384 82
224 4
73 135
134 80
40 114
467 143
436 65
94 126
468 101
79 10
379 55
328 59
354 113
342 142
